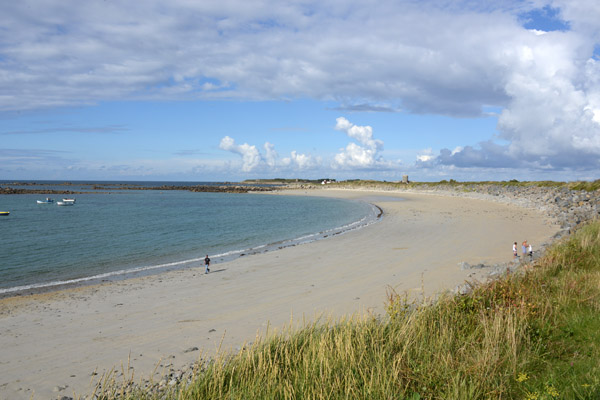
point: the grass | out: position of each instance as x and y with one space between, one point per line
588 186
531 335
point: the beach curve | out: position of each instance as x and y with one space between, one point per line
55 341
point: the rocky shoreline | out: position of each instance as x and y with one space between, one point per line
10 190
108 189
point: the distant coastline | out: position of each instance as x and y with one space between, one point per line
225 187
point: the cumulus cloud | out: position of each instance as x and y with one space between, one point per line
425 156
254 160
551 117
362 155
424 57
270 154
299 161
251 157
551 120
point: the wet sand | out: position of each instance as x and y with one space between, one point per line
52 343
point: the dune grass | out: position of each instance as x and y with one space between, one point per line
531 335
588 186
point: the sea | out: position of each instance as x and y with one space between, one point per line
113 232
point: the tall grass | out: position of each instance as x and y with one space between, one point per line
531 335
588 186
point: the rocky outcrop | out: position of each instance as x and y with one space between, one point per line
9 190
102 189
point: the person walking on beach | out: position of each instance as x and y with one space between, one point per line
515 252
524 246
530 251
206 264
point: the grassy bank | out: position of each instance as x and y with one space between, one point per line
588 186
532 335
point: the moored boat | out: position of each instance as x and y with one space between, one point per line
69 200
4 213
47 201
64 203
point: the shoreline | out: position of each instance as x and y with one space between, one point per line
120 275
56 341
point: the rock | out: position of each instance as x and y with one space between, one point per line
59 388
465 265
463 289
190 349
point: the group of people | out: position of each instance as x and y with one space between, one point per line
525 247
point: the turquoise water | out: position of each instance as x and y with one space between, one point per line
119 234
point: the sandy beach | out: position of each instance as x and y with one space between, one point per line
53 343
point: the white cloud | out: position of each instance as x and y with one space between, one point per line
270 154
364 155
430 57
251 157
253 160
354 155
300 161
550 120
416 54
427 155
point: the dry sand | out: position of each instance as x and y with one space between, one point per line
52 343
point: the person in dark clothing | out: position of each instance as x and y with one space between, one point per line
206 264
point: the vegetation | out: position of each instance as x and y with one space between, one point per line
531 335
579 185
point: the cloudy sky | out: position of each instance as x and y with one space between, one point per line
235 89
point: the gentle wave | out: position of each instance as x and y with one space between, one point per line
226 256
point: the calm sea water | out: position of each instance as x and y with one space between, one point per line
122 233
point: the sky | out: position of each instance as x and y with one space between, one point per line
230 90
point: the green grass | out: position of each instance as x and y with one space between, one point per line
531 335
579 185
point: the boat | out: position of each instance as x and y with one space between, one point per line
47 201
4 213
64 203
69 200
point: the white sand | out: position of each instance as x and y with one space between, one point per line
55 341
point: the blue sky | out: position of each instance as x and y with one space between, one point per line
232 90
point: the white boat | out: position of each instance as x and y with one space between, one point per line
64 203
47 201
69 200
